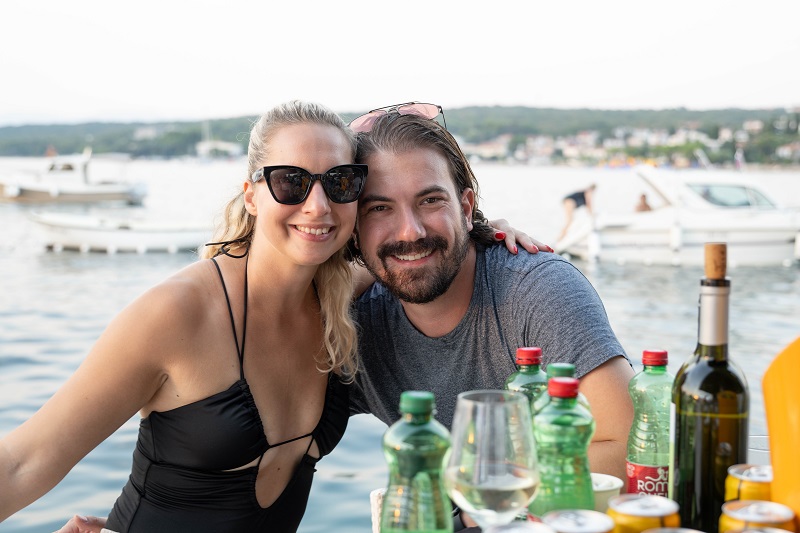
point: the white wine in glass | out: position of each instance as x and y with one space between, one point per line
491 472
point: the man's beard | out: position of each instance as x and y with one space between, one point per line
421 286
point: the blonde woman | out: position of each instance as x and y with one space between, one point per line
238 364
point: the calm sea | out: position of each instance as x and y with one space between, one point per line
54 306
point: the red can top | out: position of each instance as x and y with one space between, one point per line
563 387
529 355
654 357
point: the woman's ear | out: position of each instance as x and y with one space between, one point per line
249 193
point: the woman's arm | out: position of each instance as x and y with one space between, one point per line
119 376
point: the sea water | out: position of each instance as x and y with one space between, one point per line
54 306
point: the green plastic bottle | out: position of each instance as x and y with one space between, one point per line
563 430
414 447
558 370
529 378
648 440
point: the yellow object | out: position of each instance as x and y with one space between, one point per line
748 482
751 514
781 386
634 513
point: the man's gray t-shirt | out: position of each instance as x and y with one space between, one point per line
518 300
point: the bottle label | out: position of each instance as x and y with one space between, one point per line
645 479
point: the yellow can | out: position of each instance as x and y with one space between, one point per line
760 530
748 482
672 530
633 513
748 514
578 521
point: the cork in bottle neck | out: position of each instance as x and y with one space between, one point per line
716 260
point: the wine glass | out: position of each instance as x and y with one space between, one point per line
491 471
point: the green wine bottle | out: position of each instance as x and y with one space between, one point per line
710 405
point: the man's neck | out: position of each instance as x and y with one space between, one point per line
441 316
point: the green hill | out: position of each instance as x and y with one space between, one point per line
474 124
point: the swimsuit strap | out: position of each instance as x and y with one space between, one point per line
294 439
239 351
244 325
310 442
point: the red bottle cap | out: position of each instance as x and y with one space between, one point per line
529 355
654 357
563 387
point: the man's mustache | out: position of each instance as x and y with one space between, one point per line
426 244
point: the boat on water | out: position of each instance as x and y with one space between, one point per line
695 208
66 180
115 233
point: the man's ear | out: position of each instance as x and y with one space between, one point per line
249 197
467 203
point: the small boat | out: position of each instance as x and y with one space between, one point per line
113 233
66 180
697 208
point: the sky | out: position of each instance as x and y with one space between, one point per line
106 60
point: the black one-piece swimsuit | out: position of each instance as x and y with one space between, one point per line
183 480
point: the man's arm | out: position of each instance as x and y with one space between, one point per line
606 388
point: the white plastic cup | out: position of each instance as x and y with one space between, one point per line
375 505
605 487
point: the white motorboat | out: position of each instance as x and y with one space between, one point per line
696 208
114 233
66 180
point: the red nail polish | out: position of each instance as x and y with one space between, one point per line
515 249
549 249
500 235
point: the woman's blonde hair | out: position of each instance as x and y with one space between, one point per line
333 279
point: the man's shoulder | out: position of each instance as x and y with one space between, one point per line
498 258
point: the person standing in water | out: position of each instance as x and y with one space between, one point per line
575 201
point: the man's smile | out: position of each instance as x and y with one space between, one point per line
413 257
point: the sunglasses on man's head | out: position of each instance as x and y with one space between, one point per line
290 185
364 123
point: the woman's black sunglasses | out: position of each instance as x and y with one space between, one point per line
290 185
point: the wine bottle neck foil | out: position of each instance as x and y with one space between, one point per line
713 315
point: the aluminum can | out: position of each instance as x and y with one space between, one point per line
748 482
761 530
749 514
672 530
578 521
633 513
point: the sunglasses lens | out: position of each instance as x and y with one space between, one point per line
364 122
289 185
423 110
343 184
